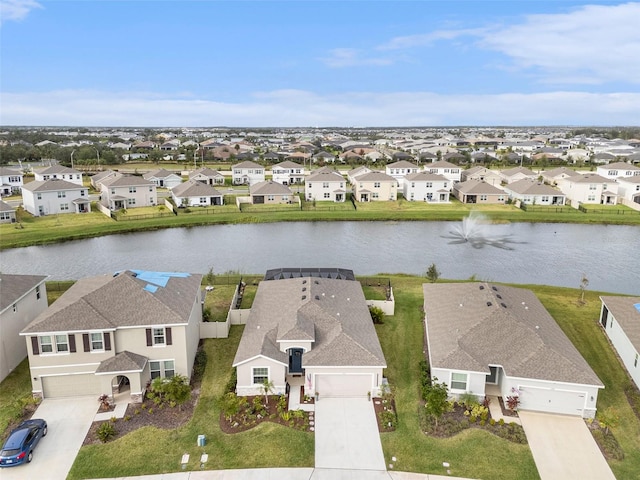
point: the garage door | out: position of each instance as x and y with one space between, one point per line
70 385
343 385
552 401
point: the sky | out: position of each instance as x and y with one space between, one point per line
319 63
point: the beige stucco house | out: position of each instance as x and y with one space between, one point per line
478 191
113 333
270 192
127 191
375 187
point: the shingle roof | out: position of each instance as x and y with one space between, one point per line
269 187
122 362
162 173
325 175
376 177
51 185
425 176
478 187
193 188
127 299
5 207
529 186
402 164
206 171
126 181
331 312
14 287
247 164
56 169
627 314
473 325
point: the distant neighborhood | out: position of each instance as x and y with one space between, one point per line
552 167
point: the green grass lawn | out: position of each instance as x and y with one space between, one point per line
15 390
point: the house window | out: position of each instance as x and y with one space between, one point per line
62 194
82 192
374 195
64 206
309 185
132 189
327 195
203 200
131 201
592 187
15 308
591 198
635 362
413 184
260 375
158 336
459 381
545 198
325 184
429 184
97 341
46 345
39 196
376 184
151 189
162 369
483 198
62 343
38 292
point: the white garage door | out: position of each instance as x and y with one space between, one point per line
552 401
70 385
343 385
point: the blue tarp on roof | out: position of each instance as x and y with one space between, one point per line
150 288
637 305
158 278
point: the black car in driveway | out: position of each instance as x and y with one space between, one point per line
21 442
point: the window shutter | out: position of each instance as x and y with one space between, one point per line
72 343
107 341
169 340
85 341
34 345
149 339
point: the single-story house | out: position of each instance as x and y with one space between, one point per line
518 173
51 197
23 298
163 178
7 213
534 192
112 333
193 193
478 191
312 330
325 184
484 338
620 319
270 192
207 175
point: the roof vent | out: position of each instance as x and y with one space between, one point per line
317 297
304 297
304 281
489 304
504 305
495 289
499 296
304 289
316 282
481 287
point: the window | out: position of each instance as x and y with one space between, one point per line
39 196
64 206
483 198
203 200
82 193
375 195
151 189
413 184
62 343
591 198
544 198
162 368
376 184
459 381
271 198
38 292
15 308
309 185
325 184
97 341
132 189
158 336
131 201
635 362
327 195
429 184
260 375
592 186
46 346
62 194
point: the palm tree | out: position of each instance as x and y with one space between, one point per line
267 388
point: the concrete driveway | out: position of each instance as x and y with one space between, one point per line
347 435
563 447
68 420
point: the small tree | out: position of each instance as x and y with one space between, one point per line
209 277
175 389
437 398
584 283
267 388
229 404
377 315
608 418
432 273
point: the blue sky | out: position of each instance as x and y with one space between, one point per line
319 63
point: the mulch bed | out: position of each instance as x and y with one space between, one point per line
505 411
380 406
246 420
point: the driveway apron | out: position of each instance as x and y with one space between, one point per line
68 421
346 435
563 447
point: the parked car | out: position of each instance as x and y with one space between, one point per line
21 442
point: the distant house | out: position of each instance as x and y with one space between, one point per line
323 156
193 193
616 170
356 172
325 185
478 191
163 178
533 192
23 298
288 173
484 338
208 176
620 319
553 176
11 181
270 192
518 173
426 187
58 172
375 187
629 189
170 145
399 170
51 197
96 180
7 213
481 173
589 188
247 173
446 169
114 333
128 191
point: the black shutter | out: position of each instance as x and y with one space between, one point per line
85 341
72 343
34 345
107 341
149 339
169 340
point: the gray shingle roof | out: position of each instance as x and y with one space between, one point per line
51 185
55 169
193 188
5 207
478 187
122 362
468 328
126 181
247 164
627 315
425 176
331 312
14 287
376 177
325 175
528 186
125 300
269 187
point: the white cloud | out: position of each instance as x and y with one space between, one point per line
16 10
351 57
427 39
290 108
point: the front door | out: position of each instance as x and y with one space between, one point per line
295 360
492 378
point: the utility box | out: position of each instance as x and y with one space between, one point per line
202 440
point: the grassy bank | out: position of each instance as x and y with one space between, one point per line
56 228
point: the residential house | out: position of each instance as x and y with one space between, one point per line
170 145
96 180
23 298
270 192
7 213
612 171
446 169
193 193
478 191
553 176
323 157
247 173
51 197
58 172
356 172
288 173
620 319
515 174
426 187
602 158
128 191
163 178
11 181
485 339
589 188
322 337
113 333
629 190
375 187
208 176
534 192
481 173
399 170
325 185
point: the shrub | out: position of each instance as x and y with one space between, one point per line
233 380
468 400
377 315
106 431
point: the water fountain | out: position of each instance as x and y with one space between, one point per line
474 231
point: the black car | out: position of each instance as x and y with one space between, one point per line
21 442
